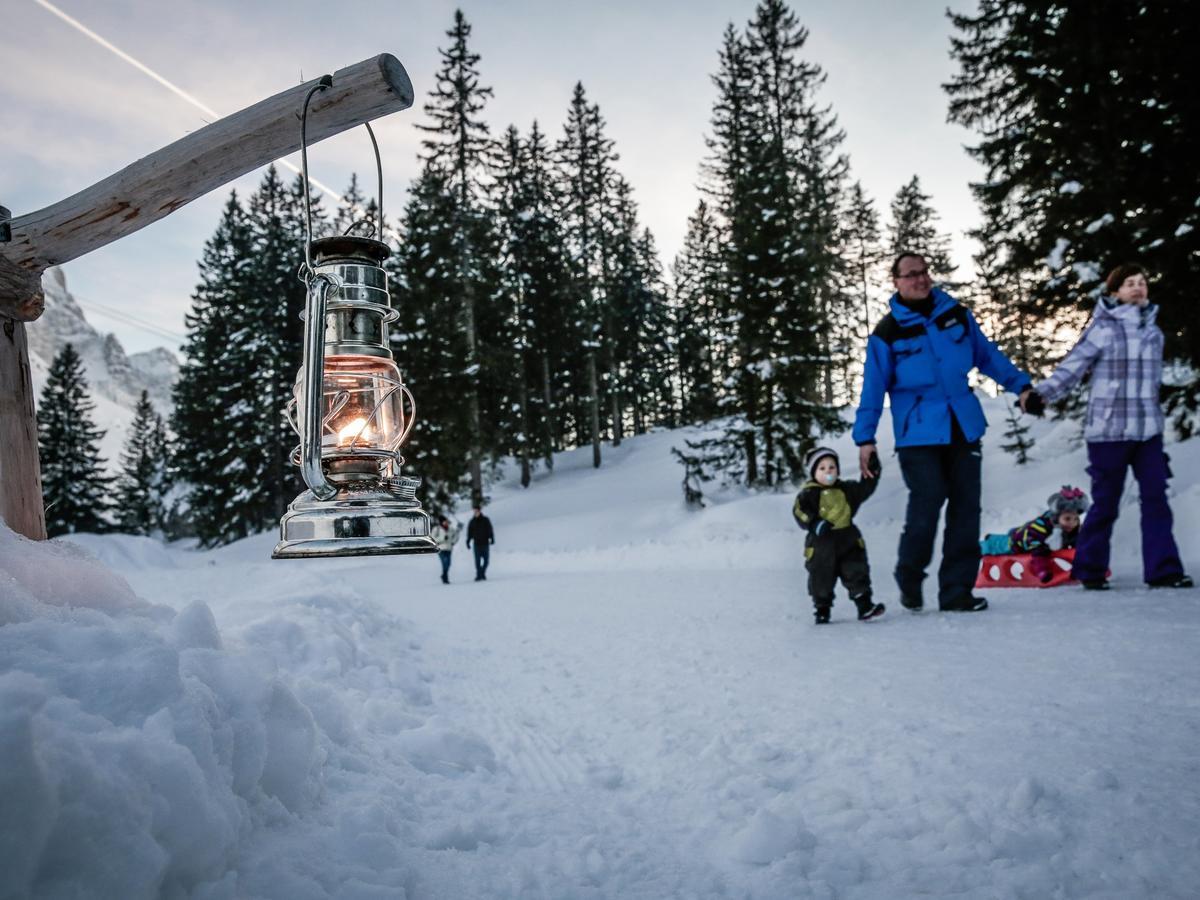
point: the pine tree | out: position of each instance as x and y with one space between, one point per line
865 262
429 341
74 484
212 420
775 177
461 148
1016 434
1077 123
914 229
536 280
698 303
143 482
585 159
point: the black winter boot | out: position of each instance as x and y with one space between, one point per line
966 604
821 615
1099 584
1172 581
873 611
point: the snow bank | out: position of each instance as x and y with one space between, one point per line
145 753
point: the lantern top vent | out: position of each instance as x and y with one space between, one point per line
349 248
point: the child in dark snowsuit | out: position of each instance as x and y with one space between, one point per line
834 547
1055 529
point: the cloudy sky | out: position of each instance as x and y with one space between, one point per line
73 112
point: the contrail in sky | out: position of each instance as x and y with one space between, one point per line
174 89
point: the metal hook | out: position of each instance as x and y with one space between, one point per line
325 81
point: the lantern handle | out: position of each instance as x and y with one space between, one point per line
311 420
325 81
379 179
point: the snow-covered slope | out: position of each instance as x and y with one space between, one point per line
115 380
634 704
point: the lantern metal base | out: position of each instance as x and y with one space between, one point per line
362 519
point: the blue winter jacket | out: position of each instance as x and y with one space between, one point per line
923 364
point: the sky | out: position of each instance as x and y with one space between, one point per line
76 112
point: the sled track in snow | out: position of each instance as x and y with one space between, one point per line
536 759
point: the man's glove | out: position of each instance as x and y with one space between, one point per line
1034 404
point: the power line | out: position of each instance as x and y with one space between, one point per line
128 319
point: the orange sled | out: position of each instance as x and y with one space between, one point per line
1016 570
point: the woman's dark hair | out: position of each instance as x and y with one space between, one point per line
903 256
1117 276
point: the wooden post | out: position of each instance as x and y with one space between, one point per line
142 193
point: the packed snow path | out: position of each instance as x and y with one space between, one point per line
636 704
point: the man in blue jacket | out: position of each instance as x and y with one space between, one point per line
920 354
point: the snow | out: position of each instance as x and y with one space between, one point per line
1093 227
1057 255
1070 187
634 704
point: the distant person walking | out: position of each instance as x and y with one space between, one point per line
480 533
446 535
1123 349
920 355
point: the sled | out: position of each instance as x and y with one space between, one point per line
1014 570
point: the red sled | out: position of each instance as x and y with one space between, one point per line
1020 570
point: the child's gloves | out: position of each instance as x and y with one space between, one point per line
874 466
821 527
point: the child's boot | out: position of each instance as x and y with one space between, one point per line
868 608
821 615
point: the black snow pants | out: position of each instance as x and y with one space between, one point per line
838 553
935 475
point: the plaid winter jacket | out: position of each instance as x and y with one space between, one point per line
1123 349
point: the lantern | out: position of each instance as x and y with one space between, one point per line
350 407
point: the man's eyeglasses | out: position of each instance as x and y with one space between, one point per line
920 273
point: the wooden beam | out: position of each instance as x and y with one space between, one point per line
20 476
159 184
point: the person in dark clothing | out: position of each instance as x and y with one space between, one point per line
834 547
480 533
920 355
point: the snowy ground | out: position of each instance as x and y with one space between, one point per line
635 704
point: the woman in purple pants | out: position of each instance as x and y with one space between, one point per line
1123 349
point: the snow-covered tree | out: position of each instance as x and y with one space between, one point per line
74 485
144 479
1080 110
460 147
914 229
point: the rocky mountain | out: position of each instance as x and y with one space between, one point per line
115 379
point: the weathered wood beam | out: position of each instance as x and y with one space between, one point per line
148 190
20 476
159 184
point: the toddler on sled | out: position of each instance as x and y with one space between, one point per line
1055 529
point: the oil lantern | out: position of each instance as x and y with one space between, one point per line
350 406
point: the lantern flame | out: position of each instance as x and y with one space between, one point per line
352 431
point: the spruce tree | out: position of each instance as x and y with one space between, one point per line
585 161
74 484
698 302
213 420
460 146
1077 122
536 284
1016 437
865 263
144 480
429 341
776 178
914 229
